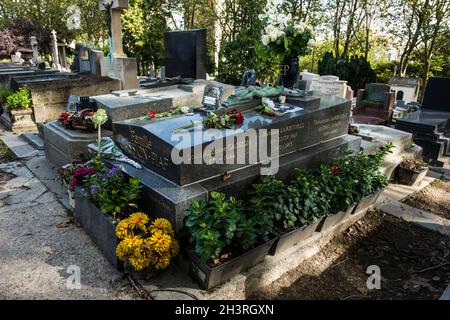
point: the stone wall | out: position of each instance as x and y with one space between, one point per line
50 98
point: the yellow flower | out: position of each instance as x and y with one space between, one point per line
123 229
161 224
160 241
138 220
139 262
122 251
132 242
163 262
175 249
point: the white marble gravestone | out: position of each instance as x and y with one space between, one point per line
332 85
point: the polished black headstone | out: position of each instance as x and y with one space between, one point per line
185 53
437 94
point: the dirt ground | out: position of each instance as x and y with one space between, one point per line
435 198
414 264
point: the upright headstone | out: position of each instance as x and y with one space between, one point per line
121 67
330 85
55 53
308 77
249 78
34 47
185 53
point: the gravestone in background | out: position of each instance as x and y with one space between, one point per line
437 94
185 54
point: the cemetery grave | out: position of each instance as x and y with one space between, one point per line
209 190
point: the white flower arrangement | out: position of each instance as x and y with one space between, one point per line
283 36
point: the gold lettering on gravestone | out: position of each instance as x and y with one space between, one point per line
143 148
330 126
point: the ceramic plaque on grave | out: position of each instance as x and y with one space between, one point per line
152 142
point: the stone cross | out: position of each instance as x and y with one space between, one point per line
115 8
55 54
34 46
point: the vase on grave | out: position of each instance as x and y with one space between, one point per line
289 69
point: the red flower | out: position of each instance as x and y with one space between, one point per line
335 170
64 115
152 114
239 118
73 182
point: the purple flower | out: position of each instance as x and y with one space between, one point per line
113 171
94 188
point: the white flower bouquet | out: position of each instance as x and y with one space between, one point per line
283 36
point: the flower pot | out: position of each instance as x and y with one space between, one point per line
410 177
100 227
19 120
290 239
210 277
289 70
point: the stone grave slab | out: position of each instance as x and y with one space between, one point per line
65 145
151 142
127 104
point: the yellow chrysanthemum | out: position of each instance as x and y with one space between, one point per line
139 263
160 241
138 220
161 224
132 242
123 229
163 262
175 248
122 251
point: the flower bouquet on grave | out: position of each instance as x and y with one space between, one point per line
144 244
153 115
82 120
227 121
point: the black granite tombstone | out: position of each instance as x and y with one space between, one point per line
185 53
437 94
152 142
430 125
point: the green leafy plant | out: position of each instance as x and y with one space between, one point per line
112 192
213 225
19 100
4 94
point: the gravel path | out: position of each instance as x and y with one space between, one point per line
41 249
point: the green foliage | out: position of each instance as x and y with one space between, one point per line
213 224
274 207
4 94
356 69
19 100
112 192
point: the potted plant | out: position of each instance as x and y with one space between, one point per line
284 39
19 114
105 198
225 239
352 184
411 171
74 174
145 245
